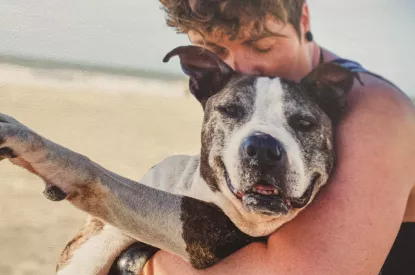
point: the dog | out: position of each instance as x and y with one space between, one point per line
267 148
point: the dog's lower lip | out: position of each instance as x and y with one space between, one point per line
301 202
237 194
268 192
265 198
265 187
265 190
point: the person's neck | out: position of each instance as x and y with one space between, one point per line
312 59
315 53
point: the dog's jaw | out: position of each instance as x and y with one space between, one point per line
273 195
253 223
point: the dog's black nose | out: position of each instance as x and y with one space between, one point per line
263 149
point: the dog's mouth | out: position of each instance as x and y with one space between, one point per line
269 198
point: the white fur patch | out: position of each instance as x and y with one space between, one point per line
179 175
98 253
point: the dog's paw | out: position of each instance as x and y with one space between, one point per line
17 140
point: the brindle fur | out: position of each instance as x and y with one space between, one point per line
213 236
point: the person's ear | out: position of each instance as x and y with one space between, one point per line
305 24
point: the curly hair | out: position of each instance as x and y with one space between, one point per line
229 16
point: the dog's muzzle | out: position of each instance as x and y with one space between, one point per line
266 160
268 199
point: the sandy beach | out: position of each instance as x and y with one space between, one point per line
124 131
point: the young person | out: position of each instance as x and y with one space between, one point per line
353 222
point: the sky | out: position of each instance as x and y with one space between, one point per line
132 33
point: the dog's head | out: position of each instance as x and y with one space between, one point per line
267 143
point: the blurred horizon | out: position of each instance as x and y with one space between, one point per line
105 35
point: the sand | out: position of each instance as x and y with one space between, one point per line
124 132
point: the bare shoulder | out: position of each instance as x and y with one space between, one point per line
379 115
377 95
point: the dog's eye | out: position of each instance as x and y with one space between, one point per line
303 123
232 111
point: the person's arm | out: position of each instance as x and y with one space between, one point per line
352 224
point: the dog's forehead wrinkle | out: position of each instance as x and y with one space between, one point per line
239 90
293 108
239 95
297 101
238 84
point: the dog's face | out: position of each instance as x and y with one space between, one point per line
267 143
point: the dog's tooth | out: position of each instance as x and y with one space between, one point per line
263 191
276 192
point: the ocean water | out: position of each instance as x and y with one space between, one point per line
83 80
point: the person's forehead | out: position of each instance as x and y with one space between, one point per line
272 27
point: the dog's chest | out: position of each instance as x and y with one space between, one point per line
209 234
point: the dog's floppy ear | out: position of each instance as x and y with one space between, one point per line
207 72
328 85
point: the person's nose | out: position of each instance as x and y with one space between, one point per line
230 61
239 61
243 64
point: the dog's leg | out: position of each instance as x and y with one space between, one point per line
144 213
93 250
